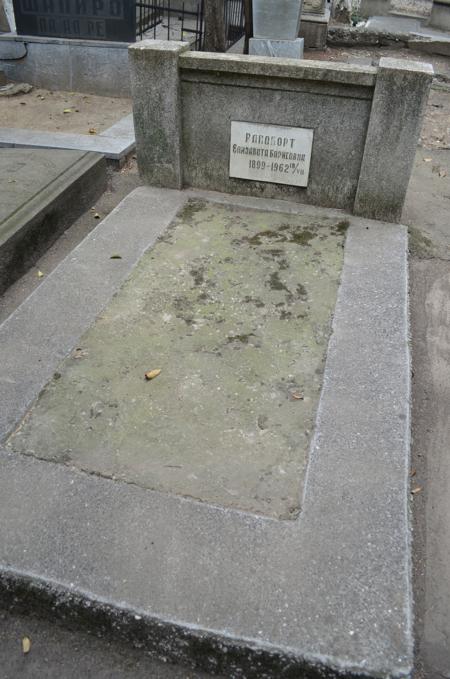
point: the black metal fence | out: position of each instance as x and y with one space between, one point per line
171 20
234 22
185 20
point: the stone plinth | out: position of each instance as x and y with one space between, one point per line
286 49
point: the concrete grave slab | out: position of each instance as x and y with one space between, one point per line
326 594
235 306
36 187
115 143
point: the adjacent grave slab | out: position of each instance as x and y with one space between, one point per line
115 143
235 307
36 187
327 594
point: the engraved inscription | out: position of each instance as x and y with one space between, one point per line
270 153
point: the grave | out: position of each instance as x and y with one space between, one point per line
234 306
221 513
210 454
37 186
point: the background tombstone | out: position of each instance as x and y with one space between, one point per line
276 25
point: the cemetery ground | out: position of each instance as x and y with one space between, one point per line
58 111
58 652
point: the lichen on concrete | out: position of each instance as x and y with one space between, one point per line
235 307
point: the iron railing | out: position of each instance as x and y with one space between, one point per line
234 22
171 20
185 20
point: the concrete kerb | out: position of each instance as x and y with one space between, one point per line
328 594
116 143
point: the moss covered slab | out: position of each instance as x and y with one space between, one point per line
234 307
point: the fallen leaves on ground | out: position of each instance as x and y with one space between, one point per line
26 645
297 396
92 130
151 374
40 274
416 490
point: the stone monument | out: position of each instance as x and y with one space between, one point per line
315 18
276 25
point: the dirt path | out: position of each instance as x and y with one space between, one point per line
62 111
427 213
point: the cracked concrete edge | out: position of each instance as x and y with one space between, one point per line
344 566
26 593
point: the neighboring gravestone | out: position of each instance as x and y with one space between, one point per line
276 25
113 20
314 23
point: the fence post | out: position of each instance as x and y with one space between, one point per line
248 13
155 85
215 39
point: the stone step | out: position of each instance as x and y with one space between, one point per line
43 192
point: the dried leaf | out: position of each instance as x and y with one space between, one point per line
40 274
297 396
96 216
80 353
116 257
151 374
442 173
26 644
427 160
92 130
416 490
67 110
412 472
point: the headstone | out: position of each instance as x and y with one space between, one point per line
113 20
276 25
315 18
270 153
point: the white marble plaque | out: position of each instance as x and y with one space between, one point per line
270 153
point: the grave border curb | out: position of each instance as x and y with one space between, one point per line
346 571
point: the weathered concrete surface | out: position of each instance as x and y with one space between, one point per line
183 127
399 102
235 307
157 110
115 143
35 187
84 283
327 593
67 64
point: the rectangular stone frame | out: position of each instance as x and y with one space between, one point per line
329 593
